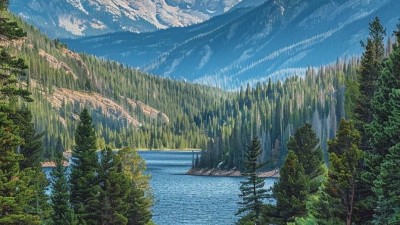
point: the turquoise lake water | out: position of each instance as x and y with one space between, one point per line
190 200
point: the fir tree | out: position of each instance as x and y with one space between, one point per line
60 196
17 184
345 157
387 190
291 190
384 131
252 189
371 66
139 198
59 146
305 145
371 61
115 189
85 188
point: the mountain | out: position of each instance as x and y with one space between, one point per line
132 108
71 18
246 44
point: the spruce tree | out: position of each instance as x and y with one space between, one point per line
252 189
59 146
17 184
371 66
305 145
386 188
291 190
114 189
139 198
384 131
345 158
85 189
371 61
60 196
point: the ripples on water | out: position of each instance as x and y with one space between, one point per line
190 200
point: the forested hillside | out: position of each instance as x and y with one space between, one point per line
273 111
129 108
359 184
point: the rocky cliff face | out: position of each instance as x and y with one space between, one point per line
71 18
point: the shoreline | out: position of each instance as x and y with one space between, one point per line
215 172
168 150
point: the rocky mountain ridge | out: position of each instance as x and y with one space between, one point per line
275 39
72 18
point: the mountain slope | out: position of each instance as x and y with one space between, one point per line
276 39
129 107
69 18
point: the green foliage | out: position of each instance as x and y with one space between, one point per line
383 161
60 197
85 188
252 189
140 198
20 183
370 69
344 158
291 191
114 189
386 188
305 145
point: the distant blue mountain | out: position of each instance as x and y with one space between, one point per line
74 18
249 43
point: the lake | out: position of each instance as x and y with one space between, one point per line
190 200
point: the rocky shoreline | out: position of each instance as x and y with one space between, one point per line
228 173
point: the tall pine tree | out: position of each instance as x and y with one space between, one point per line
252 189
114 189
17 183
85 189
60 196
344 157
305 145
371 66
385 138
291 190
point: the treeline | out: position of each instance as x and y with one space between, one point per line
360 182
273 111
106 189
52 66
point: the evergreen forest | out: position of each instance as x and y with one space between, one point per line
332 133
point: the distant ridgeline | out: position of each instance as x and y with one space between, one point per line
130 108
274 111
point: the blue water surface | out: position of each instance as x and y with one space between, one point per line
190 200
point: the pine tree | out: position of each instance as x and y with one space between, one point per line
371 61
140 199
60 196
385 138
59 146
85 188
371 67
16 190
17 184
252 189
305 145
115 189
387 190
291 190
344 157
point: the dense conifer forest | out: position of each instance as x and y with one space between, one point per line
359 184
332 133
